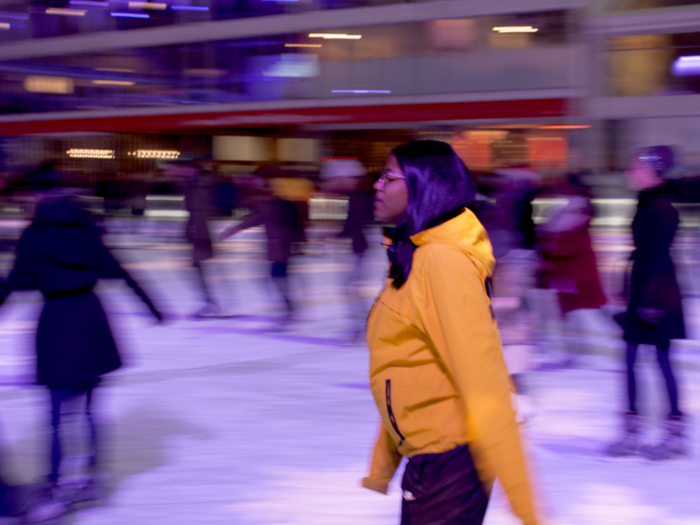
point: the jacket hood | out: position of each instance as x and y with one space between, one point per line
63 207
466 232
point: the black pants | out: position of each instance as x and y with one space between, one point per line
443 489
203 285
74 399
279 272
662 356
7 504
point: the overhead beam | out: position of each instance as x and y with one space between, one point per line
643 107
648 22
552 103
274 25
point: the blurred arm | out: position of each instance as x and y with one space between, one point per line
251 221
111 269
385 461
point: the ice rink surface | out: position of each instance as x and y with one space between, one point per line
234 421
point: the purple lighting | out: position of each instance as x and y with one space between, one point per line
93 3
686 66
130 15
15 16
188 8
361 91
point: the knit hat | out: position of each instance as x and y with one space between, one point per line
342 168
659 158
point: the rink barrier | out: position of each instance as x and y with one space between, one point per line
612 212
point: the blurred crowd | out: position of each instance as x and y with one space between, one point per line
546 289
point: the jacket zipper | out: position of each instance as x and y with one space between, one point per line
392 418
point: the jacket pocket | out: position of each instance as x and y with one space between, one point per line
392 417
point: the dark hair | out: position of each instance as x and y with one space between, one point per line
439 188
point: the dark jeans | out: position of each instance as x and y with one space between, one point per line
203 285
7 506
662 356
279 272
443 489
66 400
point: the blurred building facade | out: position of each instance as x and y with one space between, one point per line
119 86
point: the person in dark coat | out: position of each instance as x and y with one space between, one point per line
62 255
348 178
199 202
279 216
654 314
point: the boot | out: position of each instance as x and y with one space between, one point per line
46 505
673 442
629 443
208 311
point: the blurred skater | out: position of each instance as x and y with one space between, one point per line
570 269
508 221
348 177
436 366
281 221
654 313
198 190
62 255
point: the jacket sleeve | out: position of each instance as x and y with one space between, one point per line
385 461
111 269
456 313
28 268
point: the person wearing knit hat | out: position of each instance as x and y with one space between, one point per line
348 178
654 314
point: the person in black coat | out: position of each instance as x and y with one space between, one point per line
61 254
654 314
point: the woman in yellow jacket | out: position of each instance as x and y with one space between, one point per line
436 365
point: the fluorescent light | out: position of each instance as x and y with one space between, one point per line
129 15
65 12
92 3
155 6
113 83
4 25
686 66
303 45
188 8
155 154
114 70
516 29
46 84
80 153
335 36
361 91
203 72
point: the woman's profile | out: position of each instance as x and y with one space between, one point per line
436 365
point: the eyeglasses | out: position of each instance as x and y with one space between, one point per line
388 176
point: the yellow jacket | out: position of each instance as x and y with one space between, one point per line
436 365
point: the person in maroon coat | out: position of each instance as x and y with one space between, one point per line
569 262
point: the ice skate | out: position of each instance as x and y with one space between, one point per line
672 444
629 444
46 506
209 311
